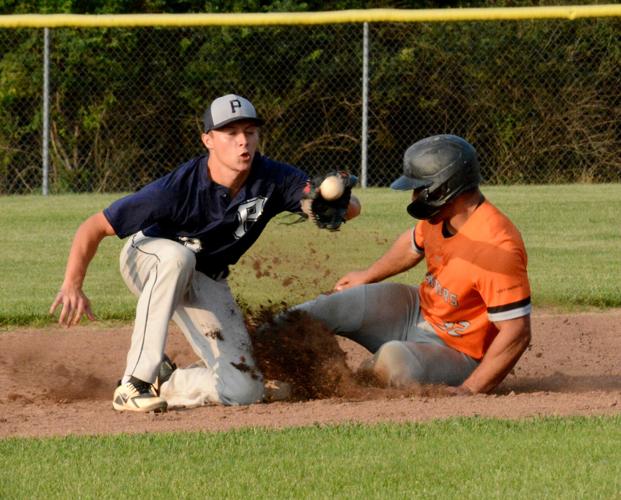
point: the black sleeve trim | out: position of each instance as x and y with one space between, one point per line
508 307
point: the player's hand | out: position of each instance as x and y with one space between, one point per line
74 305
351 279
460 390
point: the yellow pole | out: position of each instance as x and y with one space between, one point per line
307 18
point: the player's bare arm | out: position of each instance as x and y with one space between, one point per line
512 340
74 303
399 258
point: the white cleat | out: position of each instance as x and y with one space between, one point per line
137 395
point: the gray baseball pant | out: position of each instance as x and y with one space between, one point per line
385 318
162 274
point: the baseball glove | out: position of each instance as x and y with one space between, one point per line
328 214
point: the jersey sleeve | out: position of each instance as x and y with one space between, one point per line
291 182
504 284
418 243
139 210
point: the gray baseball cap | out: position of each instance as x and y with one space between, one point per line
228 109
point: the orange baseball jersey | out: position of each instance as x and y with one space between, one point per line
474 278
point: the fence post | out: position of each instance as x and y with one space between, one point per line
46 111
365 104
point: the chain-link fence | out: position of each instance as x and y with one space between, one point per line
541 100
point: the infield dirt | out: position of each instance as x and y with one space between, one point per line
58 381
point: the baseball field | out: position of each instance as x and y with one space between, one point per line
553 428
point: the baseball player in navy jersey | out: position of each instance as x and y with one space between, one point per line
183 232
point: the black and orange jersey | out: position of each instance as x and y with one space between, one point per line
474 278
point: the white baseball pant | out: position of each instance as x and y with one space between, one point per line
161 273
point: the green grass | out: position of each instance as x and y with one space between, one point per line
572 235
457 458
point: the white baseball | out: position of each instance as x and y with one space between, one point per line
332 188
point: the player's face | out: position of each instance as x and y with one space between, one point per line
233 147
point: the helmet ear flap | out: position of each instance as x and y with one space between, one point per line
440 195
453 187
421 210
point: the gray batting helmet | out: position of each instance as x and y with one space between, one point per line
441 167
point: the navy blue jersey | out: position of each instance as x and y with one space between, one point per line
187 206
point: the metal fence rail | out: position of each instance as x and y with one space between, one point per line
109 109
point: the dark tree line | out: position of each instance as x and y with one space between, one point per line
540 99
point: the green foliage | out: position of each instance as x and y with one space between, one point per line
20 111
455 458
523 92
185 6
539 99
